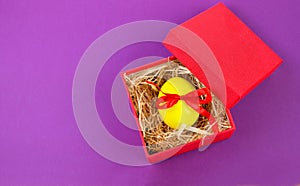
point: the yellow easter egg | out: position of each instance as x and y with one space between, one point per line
180 113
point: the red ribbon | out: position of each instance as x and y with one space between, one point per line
192 99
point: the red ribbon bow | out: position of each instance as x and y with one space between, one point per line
192 99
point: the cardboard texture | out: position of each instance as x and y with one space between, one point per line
243 57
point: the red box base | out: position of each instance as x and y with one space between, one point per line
160 156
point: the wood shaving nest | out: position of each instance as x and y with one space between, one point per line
157 135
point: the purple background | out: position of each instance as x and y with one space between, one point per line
41 44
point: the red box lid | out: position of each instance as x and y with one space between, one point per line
226 49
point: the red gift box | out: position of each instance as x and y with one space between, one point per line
243 60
